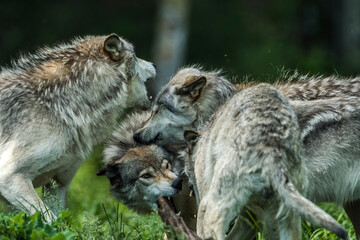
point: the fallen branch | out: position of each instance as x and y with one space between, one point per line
169 217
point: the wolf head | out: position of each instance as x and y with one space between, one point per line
139 174
186 102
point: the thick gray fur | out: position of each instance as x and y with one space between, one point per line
127 162
56 106
249 154
328 111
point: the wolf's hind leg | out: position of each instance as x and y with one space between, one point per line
243 228
290 227
216 212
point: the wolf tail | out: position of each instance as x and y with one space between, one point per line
295 201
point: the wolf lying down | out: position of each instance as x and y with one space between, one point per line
249 155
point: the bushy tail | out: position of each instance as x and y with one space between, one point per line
304 207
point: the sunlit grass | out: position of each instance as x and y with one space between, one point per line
94 214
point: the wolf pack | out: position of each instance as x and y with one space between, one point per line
219 150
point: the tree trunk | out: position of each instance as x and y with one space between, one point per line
349 32
170 41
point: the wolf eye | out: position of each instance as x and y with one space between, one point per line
146 175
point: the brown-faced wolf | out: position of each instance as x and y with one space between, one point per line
139 174
328 112
56 106
249 154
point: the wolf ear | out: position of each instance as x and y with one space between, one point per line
193 85
113 46
110 170
175 148
101 172
191 136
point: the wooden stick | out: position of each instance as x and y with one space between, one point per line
169 217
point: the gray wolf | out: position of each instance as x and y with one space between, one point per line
127 161
193 95
249 154
56 106
139 174
328 112
186 102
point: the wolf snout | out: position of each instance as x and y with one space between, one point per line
177 184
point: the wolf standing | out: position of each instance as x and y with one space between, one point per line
257 164
56 105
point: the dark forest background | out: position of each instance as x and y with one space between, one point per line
256 37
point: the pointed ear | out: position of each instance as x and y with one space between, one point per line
110 170
191 136
175 148
101 172
113 46
193 85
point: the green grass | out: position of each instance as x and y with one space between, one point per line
94 214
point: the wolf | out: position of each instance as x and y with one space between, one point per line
56 105
139 174
193 95
257 164
186 102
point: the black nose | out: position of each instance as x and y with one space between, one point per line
154 65
137 137
177 184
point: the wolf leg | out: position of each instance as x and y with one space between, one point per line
213 220
216 213
243 229
290 227
20 192
56 192
352 209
